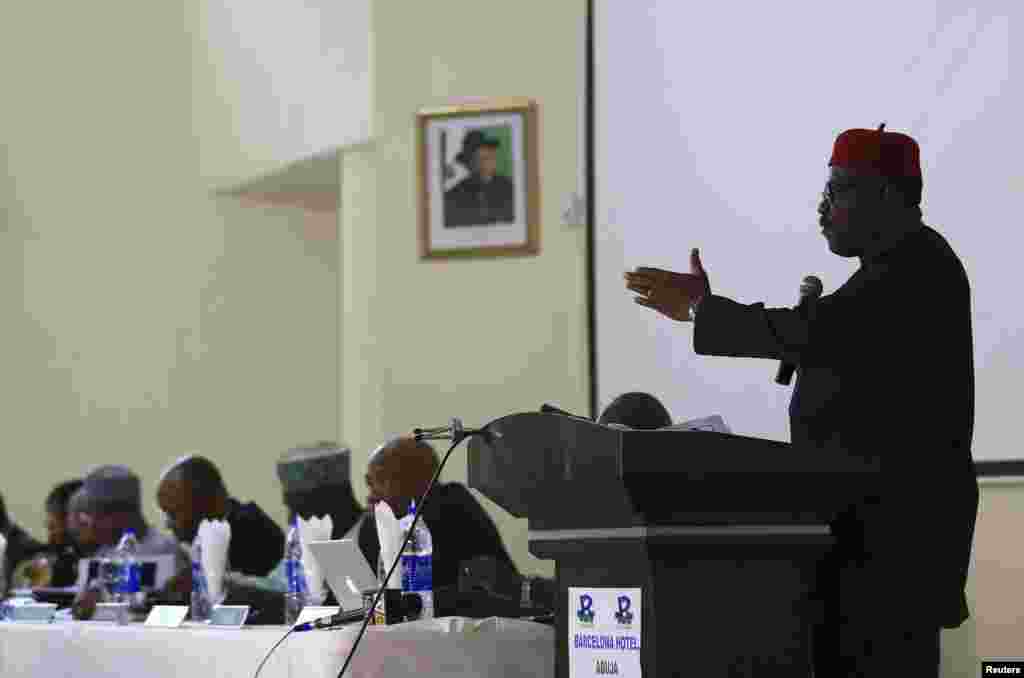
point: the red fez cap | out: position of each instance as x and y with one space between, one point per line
889 154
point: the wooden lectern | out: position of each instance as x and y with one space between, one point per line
722 532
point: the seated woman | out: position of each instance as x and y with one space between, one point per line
57 564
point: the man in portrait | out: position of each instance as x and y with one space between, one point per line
485 196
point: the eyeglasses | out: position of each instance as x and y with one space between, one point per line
836 189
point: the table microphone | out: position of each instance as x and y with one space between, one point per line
547 408
810 291
455 432
338 619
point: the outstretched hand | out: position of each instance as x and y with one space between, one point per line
669 293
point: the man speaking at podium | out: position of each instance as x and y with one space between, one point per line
885 371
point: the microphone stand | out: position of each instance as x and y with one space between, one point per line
454 432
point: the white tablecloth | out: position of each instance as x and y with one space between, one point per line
448 647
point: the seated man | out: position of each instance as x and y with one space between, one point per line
398 472
192 490
315 482
111 497
636 410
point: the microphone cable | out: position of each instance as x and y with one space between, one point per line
459 435
271 650
380 590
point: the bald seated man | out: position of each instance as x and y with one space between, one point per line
193 490
397 473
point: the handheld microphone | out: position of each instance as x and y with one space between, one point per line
810 291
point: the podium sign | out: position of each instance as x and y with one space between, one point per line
604 632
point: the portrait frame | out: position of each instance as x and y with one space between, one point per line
477 179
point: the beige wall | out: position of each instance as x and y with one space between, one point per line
519 336
995 588
276 83
141 318
997 579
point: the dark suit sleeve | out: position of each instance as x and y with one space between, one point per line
257 543
465 532
508 200
842 325
724 327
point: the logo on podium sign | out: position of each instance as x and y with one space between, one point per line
623 616
585 613
605 632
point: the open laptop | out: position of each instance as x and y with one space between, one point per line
346 570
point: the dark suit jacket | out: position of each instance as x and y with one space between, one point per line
885 371
459 528
257 543
473 203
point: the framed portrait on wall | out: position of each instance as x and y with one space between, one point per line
478 186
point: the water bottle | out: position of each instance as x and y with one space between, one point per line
201 606
109 577
127 571
295 598
417 568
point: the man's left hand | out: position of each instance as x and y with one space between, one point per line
668 292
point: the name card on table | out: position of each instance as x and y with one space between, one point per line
311 613
230 616
604 632
111 612
32 613
167 616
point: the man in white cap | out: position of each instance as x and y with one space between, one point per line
315 482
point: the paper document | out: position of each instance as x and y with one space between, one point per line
713 423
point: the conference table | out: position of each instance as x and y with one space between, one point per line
451 646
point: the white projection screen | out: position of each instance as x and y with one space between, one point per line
712 125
